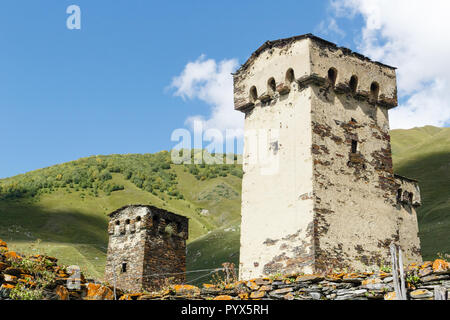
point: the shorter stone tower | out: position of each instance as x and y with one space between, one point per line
145 245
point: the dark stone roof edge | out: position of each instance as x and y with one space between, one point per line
281 42
147 206
405 178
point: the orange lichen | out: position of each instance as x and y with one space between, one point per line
98 292
265 288
440 265
12 255
426 264
223 297
8 286
252 285
243 296
62 293
257 294
351 276
230 286
390 296
413 266
371 281
186 289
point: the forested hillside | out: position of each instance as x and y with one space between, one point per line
63 209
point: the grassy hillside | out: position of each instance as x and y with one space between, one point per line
65 206
424 154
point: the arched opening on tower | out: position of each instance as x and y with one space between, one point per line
332 76
354 146
253 94
374 91
290 76
353 84
271 86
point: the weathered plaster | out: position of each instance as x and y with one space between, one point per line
326 206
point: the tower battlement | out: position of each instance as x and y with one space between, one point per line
306 59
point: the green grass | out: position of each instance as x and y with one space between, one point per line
424 154
72 224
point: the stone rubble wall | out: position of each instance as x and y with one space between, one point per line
421 282
12 276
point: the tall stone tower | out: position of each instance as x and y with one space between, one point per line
145 244
319 191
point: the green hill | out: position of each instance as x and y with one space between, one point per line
424 154
65 206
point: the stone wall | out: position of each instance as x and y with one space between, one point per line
357 213
39 277
422 280
325 196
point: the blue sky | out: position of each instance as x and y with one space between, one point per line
104 89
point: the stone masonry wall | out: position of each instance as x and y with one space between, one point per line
422 281
145 242
357 214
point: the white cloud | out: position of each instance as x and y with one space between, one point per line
329 26
413 36
211 82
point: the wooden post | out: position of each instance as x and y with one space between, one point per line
114 276
402 274
400 289
228 269
440 293
225 270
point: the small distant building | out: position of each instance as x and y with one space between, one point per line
145 245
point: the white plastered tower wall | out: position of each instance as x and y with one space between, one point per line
294 216
280 169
